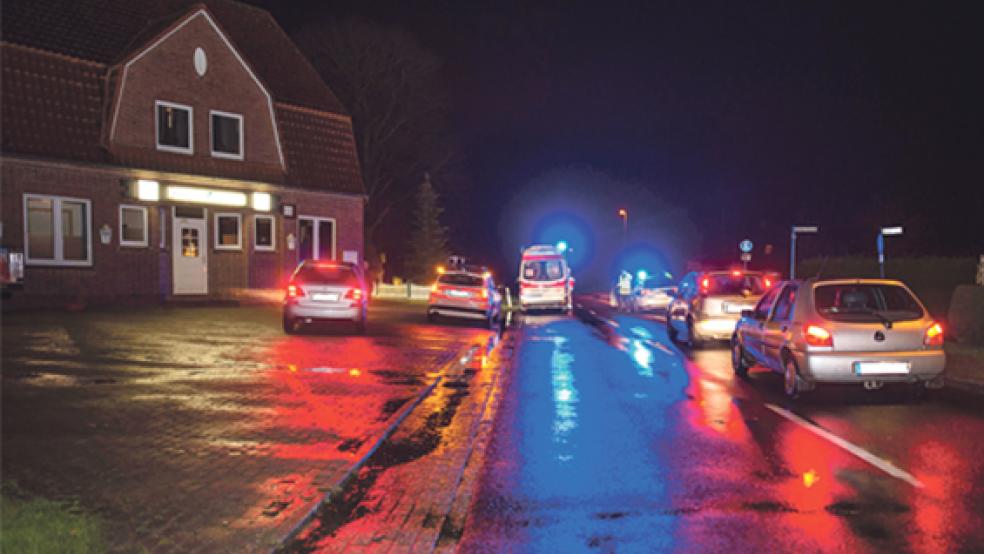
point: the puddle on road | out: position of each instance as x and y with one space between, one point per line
59 380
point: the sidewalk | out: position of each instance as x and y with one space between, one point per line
416 490
201 429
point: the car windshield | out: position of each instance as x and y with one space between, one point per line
314 273
731 283
866 302
542 270
460 279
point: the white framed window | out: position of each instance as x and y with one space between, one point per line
315 238
174 127
57 230
134 230
227 134
264 233
228 231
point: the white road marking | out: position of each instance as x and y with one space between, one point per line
881 464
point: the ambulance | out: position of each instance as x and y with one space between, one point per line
545 280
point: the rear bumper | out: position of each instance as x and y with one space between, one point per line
839 367
323 312
458 311
716 328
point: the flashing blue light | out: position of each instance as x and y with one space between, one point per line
642 275
562 246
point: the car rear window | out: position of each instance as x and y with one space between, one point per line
543 270
311 273
729 283
460 279
866 302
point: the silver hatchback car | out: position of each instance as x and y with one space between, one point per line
863 331
322 290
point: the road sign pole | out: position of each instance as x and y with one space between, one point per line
792 255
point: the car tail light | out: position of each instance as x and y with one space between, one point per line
934 335
768 283
705 285
435 287
294 291
736 273
354 294
817 336
485 293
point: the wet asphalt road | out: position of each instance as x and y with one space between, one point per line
612 438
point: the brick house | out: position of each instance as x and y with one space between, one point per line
167 149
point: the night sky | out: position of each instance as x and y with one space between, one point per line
750 116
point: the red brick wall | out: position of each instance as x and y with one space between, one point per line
166 72
118 272
123 275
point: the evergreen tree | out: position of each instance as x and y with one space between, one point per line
429 240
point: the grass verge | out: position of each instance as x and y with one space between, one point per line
37 525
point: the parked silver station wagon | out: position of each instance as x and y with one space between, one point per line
864 331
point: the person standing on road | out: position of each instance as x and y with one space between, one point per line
624 291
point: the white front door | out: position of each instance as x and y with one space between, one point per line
190 251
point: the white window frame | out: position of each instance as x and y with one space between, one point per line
146 222
239 235
191 128
56 229
211 135
273 234
316 242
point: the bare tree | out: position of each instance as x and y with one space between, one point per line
390 85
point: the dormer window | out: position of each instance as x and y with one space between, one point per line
227 135
174 127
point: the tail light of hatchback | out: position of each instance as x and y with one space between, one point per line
354 294
485 293
294 291
934 335
817 336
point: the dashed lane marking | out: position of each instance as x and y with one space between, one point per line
880 463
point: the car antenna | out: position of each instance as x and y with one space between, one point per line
823 265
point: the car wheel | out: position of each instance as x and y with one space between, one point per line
790 378
738 359
671 331
918 392
692 339
290 325
360 324
432 317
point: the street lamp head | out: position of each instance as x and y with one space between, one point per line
562 246
891 231
622 212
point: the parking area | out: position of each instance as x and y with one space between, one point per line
204 429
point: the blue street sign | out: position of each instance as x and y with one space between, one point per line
746 246
881 244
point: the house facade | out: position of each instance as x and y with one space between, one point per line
167 150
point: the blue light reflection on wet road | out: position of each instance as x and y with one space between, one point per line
578 455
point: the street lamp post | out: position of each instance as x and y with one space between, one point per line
880 242
624 214
802 230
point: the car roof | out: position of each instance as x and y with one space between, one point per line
854 281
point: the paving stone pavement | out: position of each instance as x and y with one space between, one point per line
401 499
203 429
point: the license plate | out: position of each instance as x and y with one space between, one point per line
325 297
881 368
734 308
459 293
